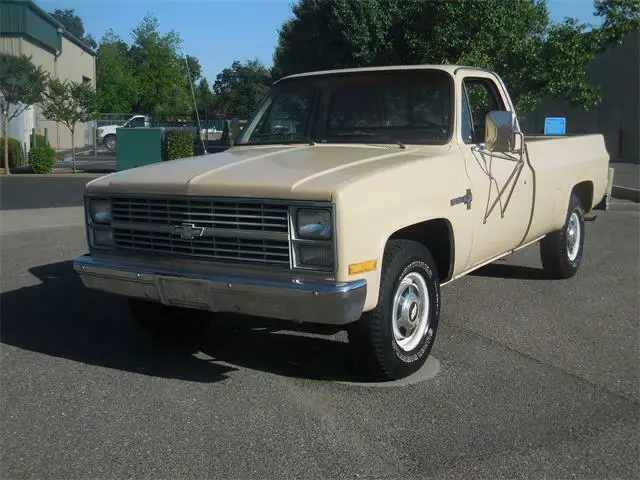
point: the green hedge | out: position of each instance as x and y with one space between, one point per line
42 159
179 144
16 154
40 141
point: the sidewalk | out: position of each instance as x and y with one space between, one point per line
626 181
626 174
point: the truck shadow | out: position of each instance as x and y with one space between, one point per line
506 271
61 318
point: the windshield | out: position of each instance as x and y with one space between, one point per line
411 106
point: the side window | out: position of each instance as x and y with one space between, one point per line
467 127
286 118
483 98
137 122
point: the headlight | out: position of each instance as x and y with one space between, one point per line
100 211
314 224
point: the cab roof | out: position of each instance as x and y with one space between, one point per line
451 69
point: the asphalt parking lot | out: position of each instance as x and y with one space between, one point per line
22 192
530 378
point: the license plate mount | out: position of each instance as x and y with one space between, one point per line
185 292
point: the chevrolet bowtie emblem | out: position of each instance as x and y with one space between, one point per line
188 231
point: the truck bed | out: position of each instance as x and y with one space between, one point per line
559 163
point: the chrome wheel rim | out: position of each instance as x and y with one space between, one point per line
410 314
573 236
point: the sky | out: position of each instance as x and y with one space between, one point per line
218 32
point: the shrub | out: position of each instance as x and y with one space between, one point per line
179 144
16 155
224 138
40 141
42 159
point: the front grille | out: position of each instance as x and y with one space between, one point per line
231 231
206 213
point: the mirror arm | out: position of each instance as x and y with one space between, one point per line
480 148
518 133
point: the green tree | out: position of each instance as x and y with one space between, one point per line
116 84
204 95
241 87
195 70
73 24
620 17
336 34
515 38
69 103
22 84
162 86
568 49
149 76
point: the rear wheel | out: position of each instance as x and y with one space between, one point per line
167 324
561 251
394 340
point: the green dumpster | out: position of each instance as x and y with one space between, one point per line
137 146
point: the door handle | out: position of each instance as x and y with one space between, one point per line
466 199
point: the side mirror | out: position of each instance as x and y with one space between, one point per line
500 131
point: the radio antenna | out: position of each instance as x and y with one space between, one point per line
195 106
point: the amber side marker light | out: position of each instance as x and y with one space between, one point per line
362 267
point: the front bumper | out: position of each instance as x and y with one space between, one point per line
317 301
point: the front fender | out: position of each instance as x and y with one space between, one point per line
363 227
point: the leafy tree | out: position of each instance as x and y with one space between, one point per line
149 76
515 38
115 81
620 17
241 87
22 84
204 95
69 103
159 70
335 34
565 55
73 24
195 70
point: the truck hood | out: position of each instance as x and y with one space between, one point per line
303 172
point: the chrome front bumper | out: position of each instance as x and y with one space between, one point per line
316 301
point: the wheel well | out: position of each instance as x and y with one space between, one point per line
584 192
437 236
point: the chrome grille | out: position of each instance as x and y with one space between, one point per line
227 230
206 213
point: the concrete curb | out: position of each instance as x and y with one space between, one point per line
626 193
54 175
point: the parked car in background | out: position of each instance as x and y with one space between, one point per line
107 133
383 185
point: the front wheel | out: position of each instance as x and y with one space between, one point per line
110 142
394 340
561 251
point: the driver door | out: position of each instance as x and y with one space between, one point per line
502 184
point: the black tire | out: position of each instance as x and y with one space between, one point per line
373 346
559 260
169 325
110 142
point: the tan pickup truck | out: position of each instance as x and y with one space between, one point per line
348 199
